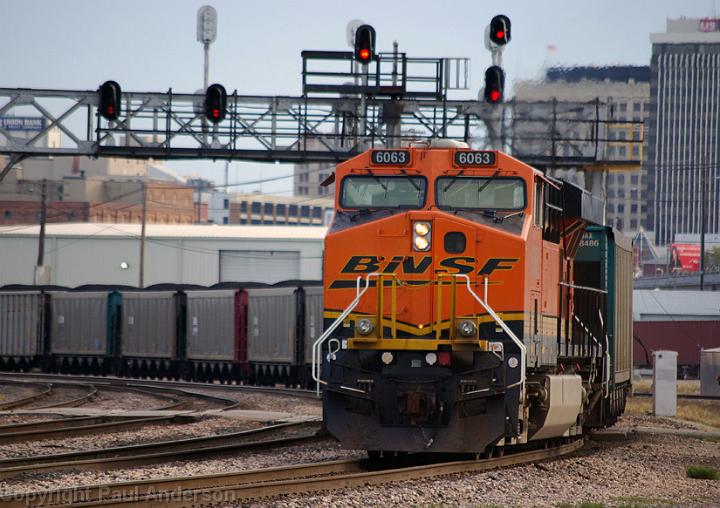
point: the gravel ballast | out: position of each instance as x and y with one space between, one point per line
210 426
648 470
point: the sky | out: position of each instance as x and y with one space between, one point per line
150 45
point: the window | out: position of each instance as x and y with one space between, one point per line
303 190
622 151
317 212
620 179
633 223
383 192
454 242
226 220
538 209
611 208
633 208
243 206
480 193
633 179
636 151
621 208
305 211
226 204
293 210
622 107
268 209
8 214
256 207
637 106
280 209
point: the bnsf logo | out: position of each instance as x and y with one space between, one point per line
408 264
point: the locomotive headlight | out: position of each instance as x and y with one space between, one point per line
431 358
421 243
387 357
421 236
422 228
466 328
365 327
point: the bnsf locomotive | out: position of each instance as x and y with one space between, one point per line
471 303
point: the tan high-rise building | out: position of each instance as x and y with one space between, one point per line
624 92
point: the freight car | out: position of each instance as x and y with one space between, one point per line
247 334
459 317
675 320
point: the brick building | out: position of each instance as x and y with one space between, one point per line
96 200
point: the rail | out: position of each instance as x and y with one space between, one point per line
317 345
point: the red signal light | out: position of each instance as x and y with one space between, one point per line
500 29
444 358
364 44
494 84
110 97
215 103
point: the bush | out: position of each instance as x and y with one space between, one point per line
702 472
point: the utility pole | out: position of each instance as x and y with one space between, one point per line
198 203
41 276
141 283
703 226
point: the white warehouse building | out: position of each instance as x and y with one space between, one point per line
89 253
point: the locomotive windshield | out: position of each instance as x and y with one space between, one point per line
480 193
371 191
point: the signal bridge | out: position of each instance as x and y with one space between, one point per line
345 108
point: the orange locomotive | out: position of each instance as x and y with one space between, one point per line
450 308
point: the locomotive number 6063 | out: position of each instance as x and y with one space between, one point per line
390 157
474 158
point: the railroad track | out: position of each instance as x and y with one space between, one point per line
90 392
288 392
164 451
44 390
176 398
298 479
71 427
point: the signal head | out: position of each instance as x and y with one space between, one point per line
494 84
500 30
215 103
364 44
110 105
